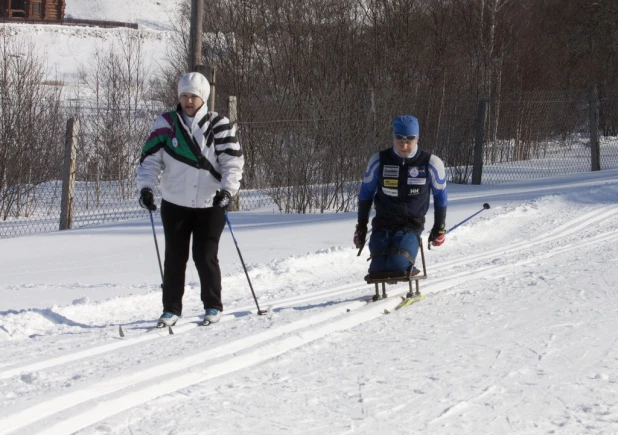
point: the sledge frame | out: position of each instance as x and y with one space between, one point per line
380 279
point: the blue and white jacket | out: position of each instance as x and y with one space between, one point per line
401 189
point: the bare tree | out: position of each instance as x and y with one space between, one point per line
118 112
30 126
302 71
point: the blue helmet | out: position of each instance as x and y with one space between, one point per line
405 125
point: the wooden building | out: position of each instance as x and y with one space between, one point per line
32 10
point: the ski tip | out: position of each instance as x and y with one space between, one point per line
120 331
170 330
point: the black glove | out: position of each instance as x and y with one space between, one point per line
146 199
222 199
360 235
437 236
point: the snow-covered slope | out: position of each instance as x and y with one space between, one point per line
516 335
153 14
65 48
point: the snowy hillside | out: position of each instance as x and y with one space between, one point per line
153 14
65 48
516 334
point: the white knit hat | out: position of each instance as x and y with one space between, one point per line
194 83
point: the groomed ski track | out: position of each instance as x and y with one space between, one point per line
91 402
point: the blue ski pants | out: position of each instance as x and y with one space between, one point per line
387 242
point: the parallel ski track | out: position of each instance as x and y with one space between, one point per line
186 324
190 323
87 405
99 400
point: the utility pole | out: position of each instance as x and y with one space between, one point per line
195 49
195 34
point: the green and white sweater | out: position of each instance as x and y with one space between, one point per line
196 160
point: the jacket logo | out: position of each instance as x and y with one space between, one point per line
390 192
390 171
413 171
391 182
417 181
175 143
414 191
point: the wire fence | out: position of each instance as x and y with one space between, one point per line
310 158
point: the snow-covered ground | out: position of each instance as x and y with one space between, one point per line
66 48
516 335
154 14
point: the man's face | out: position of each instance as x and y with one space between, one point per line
405 147
190 103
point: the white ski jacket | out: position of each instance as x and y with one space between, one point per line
194 161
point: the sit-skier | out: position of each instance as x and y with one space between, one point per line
400 180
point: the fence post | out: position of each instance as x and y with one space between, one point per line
232 110
68 178
3 191
98 186
479 139
213 88
593 109
232 106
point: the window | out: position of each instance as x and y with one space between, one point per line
36 9
17 4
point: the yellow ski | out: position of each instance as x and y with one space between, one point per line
409 301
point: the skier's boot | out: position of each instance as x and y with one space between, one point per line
167 319
211 315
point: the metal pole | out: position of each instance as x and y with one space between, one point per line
196 33
156 246
229 224
362 247
485 207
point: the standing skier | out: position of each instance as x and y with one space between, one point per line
400 180
201 163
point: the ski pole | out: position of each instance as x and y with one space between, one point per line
485 207
229 224
156 246
361 248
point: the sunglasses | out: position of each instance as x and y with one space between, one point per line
405 137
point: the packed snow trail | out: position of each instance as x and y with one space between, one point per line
516 337
106 407
162 379
435 284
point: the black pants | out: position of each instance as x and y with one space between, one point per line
206 225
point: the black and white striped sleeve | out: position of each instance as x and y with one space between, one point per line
229 153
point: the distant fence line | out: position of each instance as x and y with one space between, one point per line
303 163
